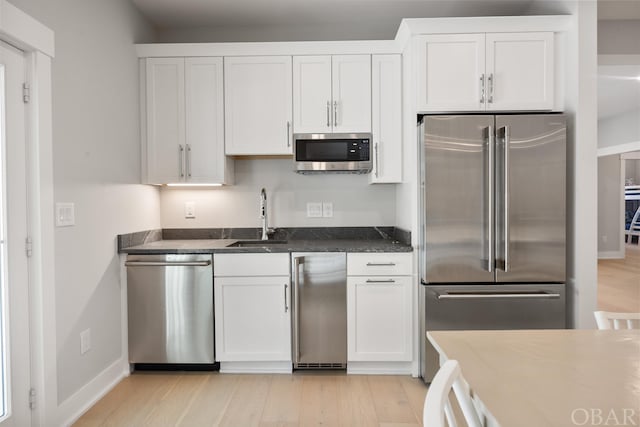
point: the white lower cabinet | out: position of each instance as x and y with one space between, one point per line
252 312
379 309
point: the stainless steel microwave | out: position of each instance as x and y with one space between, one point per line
332 152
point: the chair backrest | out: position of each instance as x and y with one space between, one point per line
634 227
437 405
611 320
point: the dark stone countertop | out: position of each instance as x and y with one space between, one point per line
310 239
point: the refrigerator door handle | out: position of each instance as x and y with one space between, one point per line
507 237
501 295
296 307
490 200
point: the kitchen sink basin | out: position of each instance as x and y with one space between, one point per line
256 243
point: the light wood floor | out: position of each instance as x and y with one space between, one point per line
619 282
302 399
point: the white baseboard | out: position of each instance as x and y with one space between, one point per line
611 255
81 401
379 368
256 367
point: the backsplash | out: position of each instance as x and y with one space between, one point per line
355 201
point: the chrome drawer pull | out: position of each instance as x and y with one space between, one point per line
381 264
381 281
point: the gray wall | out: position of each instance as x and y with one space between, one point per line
609 213
620 129
619 37
96 166
355 202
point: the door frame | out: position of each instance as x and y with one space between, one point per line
37 42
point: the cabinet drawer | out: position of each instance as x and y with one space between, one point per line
247 265
375 264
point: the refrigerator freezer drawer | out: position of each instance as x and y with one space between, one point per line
491 307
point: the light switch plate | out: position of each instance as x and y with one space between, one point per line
314 209
65 214
327 210
85 341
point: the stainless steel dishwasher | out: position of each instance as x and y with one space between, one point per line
319 310
170 308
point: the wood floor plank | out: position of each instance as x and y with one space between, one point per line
210 403
284 401
170 408
416 391
355 403
247 402
619 282
107 405
319 401
391 402
148 390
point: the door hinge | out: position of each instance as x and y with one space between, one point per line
32 398
28 246
26 92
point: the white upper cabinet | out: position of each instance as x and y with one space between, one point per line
332 93
183 138
258 105
521 71
450 72
485 72
386 119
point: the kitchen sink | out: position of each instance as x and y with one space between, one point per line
256 243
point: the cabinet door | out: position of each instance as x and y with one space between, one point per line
387 119
205 161
450 72
520 71
258 109
165 121
351 92
252 318
312 106
379 316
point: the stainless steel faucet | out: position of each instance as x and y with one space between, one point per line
263 215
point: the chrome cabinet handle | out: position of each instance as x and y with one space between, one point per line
381 281
482 89
181 160
288 133
167 263
490 78
507 140
381 264
188 161
490 197
328 114
335 113
377 157
286 306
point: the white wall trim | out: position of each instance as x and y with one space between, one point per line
256 367
21 30
619 149
488 24
634 155
72 409
37 41
611 255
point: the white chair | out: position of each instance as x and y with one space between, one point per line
611 320
437 405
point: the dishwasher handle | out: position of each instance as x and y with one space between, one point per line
167 263
498 295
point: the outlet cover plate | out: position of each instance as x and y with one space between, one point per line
314 210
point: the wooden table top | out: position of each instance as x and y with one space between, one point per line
549 377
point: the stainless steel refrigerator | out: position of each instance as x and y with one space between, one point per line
493 224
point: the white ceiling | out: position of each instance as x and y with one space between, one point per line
618 89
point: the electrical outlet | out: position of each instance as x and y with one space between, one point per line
327 209
314 210
85 341
190 209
